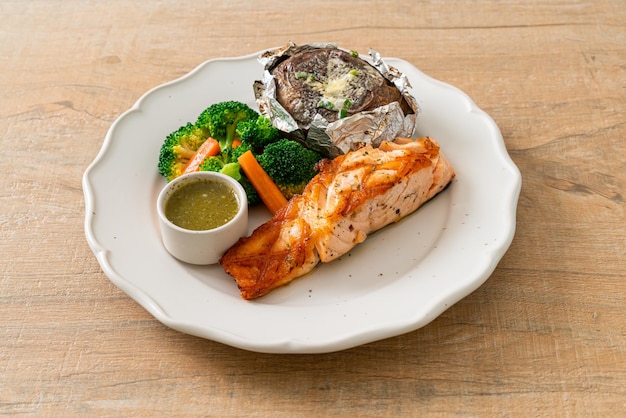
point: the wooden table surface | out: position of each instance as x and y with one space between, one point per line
545 335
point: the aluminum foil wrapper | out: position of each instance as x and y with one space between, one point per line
349 133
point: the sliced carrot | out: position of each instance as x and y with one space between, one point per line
236 143
264 185
209 148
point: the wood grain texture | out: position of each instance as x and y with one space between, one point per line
544 336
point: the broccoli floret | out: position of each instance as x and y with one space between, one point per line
258 132
212 164
227 156
222 163
221 119
178 148
290 165
251 193
238 151
218 120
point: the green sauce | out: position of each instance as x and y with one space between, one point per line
201 205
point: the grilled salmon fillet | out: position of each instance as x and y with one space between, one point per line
352 196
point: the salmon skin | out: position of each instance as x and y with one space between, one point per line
352 196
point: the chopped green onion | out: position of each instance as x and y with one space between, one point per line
325 104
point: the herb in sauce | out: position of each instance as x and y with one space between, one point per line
202 205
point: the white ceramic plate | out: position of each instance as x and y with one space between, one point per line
400 279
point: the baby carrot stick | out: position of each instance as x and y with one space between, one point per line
209 148
266 188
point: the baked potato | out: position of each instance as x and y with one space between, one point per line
334 100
